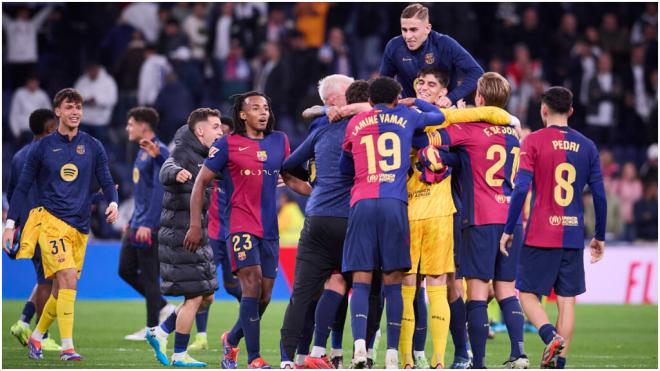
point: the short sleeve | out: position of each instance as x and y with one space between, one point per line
218 155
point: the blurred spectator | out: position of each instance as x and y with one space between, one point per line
636 83
171 38
180 11
174 104
21 36
99 91
301 58
26 100
531 34
650 17
628 190
605 93
310 21
223 34
195 26
189 72
609 168
115 43
277 26
522 65
250 19
152 76
274 78
144 17
613 38
236 72
613 227
127 71
649 170
582 70
562 44
336 56
646 213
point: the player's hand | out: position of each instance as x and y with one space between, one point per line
443 102
505 243
150 147
597 250
8 240
407 102
280 181
143 234
183 176
461 104
112 213
334 114
193 238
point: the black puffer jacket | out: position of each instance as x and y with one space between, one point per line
183 273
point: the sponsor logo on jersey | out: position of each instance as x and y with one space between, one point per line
213 151
69 172
80 149
567 221
136 175
258 172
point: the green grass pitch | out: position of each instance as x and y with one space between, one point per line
606 336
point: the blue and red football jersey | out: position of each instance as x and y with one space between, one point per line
489 157
250 168
560 162
379 142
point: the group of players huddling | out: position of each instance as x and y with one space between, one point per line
409 198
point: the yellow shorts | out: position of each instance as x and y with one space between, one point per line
432 245
62 246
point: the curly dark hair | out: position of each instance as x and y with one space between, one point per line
239 102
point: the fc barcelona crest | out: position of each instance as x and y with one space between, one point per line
80 149
262 156
143 156
429 58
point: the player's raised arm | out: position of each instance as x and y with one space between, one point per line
466 64
431 115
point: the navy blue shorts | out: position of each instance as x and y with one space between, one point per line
248 249
39 267
221 259
378 236
542 270
481 257
457 244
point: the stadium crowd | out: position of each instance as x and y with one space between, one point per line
178 56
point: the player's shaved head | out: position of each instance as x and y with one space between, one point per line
357 92
384 90
558 99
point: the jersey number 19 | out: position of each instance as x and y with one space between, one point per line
388 145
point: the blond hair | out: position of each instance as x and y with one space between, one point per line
418 11
494 88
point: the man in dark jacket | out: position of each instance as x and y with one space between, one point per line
185 272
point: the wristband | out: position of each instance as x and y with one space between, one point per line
9 224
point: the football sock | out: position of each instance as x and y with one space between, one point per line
394 312
421 320
308 329
547 332
28 312
337 333
514 319
561 362
457 321
440 319
48 315
169 324
359 310
328 305
250 320
66 299
201 320
407 324
236 332
477 318
180 342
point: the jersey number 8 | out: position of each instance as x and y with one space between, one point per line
564 184
388 145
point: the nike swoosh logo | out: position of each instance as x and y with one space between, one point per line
254 319
67 314
240 149
57 149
